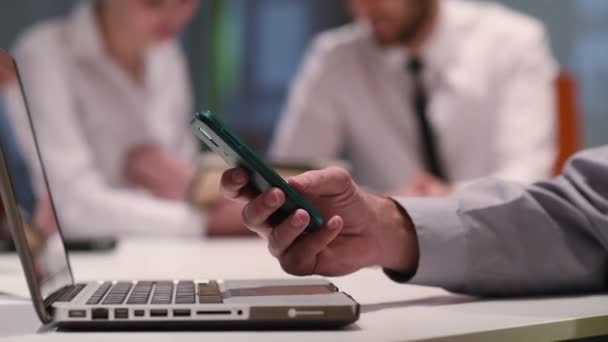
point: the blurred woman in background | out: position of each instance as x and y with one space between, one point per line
110 96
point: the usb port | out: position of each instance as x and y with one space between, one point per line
77 313
181 313
100 314
158 313
121 313
139 313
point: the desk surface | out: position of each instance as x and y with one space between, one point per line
389 311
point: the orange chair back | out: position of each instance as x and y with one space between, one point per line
569 127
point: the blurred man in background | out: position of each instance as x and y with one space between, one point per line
423 96
24 190
110 95
35 205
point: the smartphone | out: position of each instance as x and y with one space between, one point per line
235 153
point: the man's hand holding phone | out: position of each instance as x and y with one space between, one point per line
362 229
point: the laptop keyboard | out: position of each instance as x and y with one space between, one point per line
163 293
156 292
117 294
70 294
209 294
141 293
99 293
185 293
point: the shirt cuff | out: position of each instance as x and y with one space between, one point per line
442 243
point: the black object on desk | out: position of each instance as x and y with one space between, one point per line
102 245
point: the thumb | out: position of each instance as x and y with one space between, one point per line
328 182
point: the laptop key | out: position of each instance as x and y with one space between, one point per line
163 293
141 293
190 300
99 293
71 293
209 293
211 300
185 293
117 294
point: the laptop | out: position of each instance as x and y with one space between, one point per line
147 304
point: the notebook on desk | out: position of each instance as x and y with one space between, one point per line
152 303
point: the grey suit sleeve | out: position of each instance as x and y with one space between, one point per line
501 239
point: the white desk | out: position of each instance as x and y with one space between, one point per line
389 311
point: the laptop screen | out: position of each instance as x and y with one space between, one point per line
35 215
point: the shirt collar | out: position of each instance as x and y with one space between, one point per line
442 51
436 51
85 42
83 32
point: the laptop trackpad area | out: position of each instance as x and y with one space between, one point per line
283 292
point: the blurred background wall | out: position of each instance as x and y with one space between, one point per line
243 53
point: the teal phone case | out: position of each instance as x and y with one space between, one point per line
227 145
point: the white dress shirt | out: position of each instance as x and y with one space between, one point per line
490 77
88 114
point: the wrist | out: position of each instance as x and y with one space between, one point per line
396 237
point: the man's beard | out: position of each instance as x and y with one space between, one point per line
417 24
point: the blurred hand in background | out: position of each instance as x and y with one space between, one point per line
155 170
7 72
44 217
159 172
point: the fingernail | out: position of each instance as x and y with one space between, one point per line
335 223
246 213
272 199
299 219
239 176
296 221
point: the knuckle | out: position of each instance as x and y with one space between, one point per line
253 213
227 192
225 179
245 214
224 191
274 247
322 264
341 175
295 265
260 231
303 179
274 251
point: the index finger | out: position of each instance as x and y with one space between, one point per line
234 185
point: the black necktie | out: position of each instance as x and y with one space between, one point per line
420 101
